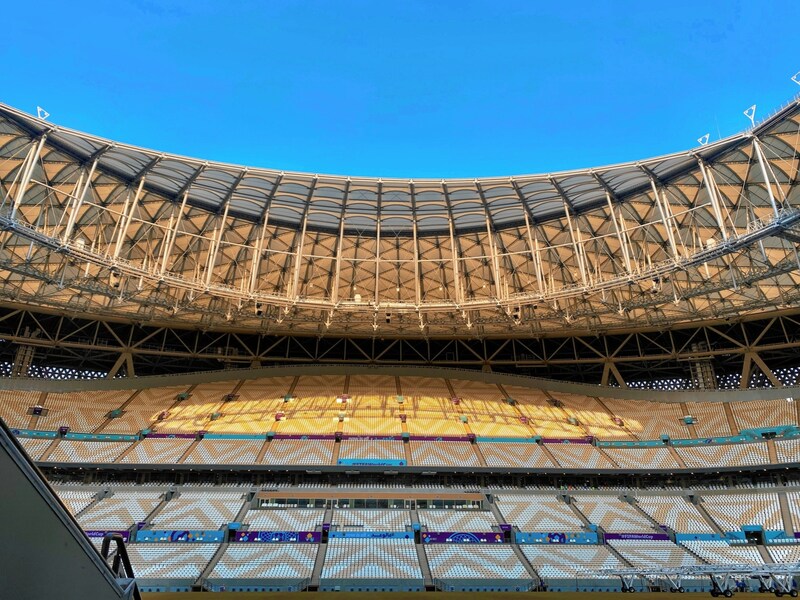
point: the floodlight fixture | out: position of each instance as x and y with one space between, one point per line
750 113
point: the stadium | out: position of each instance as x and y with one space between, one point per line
242 380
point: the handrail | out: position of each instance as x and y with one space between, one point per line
121 567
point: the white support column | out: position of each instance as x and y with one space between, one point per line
762 164
30 165
337 264
417 289
494 266
578 254
212 255
172 233
298 262
378 246
127 216
533 245
622 239
664 220
711 186
78 202
456 272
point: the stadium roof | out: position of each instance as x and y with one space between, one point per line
99 227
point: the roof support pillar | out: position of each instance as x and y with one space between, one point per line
665 219
578 253
125 219
78 202
258 251
762 163
215 244
457 288
622 238
171 233
378 246
536 259
417 283
493 259
711 185
30 165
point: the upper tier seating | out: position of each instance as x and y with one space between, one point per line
448 520
80 411
143 409
709 419
267 561
474 561
763 413
194 413
486 412
538 513
554 561
612 514
14 407
314 408
348 558
206 510
731 511
674 512
253 408
649 420
593 418
543 418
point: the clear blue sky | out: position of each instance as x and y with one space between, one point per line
402 88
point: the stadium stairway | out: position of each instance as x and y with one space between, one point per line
43 551
676 457
514 546
765 555
786 513
709 519
689 426
223 547
729 417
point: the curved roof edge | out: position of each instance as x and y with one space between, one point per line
37 125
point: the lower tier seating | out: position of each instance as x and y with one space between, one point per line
469 561
570 561
170 561
267 561
371 559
